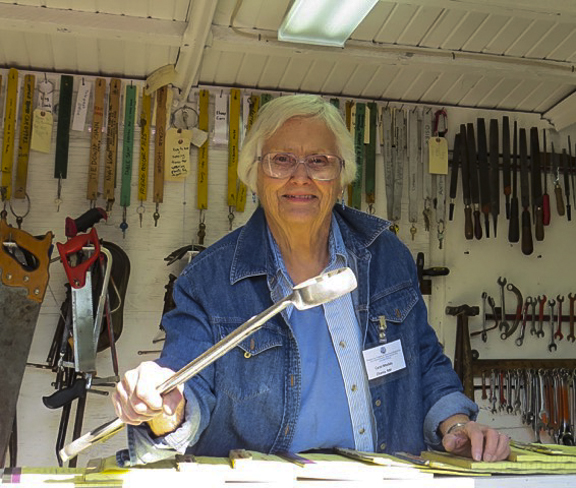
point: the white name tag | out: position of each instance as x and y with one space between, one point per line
384 359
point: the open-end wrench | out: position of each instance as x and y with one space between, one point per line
493 399
533 302
509 400
552 344
519 303
543 416
520 339
484 334
572 299
492 304
542 300
558 334
504 325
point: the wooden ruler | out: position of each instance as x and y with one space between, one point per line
25 136
160 143
145 118
96 139
202 198
233 128
112 142
9 129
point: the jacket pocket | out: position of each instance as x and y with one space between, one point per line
252 367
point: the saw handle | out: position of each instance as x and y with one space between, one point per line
77 274
65 395
75 226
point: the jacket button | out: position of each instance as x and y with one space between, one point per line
362 430
378 403
382 446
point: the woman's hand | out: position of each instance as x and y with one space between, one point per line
136 399
480 442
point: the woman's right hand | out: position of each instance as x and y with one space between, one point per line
136 399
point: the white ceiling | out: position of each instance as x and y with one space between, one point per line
516 55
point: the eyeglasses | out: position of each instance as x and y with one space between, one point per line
321 167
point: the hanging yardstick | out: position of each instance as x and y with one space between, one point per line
95 140
370 184
112 143
145 117
9 134
127 153
160 149
25 133
202 177
359 154
233 131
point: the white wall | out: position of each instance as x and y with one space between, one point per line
474 267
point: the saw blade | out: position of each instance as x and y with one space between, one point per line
82 327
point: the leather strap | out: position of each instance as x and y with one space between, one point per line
359 154
400 152
96 139
128 145
144 154
25 136
203 120
63 130
388 167
349 126
9 133
112 142
160 143
370 153
414 165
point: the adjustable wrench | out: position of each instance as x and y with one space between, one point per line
533 302
504 325
520 338
552 344
558 335
571 336
519 304
542 300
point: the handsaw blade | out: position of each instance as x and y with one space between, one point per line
83 327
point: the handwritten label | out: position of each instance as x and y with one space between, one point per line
81 108
438 155
46 90
41 131
221 119
177 154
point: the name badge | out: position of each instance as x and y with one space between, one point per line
384 359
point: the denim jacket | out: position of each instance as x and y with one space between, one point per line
250 397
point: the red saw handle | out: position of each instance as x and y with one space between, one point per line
77 274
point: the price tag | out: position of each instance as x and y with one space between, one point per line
41 131
438 156
177 154
81 107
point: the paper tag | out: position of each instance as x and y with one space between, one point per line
384 359
177 154
161 77
198 137
81 108
438 156
45 92
41 131
221 119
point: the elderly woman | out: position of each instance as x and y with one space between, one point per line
304 380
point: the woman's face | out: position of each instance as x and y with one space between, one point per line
298 199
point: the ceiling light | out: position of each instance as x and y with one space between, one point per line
323 22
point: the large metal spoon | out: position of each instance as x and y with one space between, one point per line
310 293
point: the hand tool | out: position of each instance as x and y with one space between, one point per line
509 401
494 174
473 174
484 395
492 304
527 245
504 325
565 435
572 171
517 403
506 162
493 399
558 334
463 352
519 303
468 226
520 339
454 174
426 285
22 291
543 416
552 344
536 185
545 197
502 393
484 334
533 302
542 300
310 293
566 163
572 299
514 227
484 172
557 188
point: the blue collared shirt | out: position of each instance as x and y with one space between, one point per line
330 349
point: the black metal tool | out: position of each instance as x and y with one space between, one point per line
557 188
545 197
454 175
566 169
514 228
527 244
494 174
426 284
572 171
484 171
473 174
506 163
468 227
536 185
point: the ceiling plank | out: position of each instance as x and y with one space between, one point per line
26 19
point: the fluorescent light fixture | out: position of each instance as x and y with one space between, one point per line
323 22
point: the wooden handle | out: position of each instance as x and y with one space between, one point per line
546 209
539 224
514 229
527 244
559 200
468 227
477 225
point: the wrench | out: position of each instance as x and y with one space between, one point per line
509 401
533 302
558 335
488 329
519 303
493 399
520 338
540 332
484 333
552 344
572 299
504 325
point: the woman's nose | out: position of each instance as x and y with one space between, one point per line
301 171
